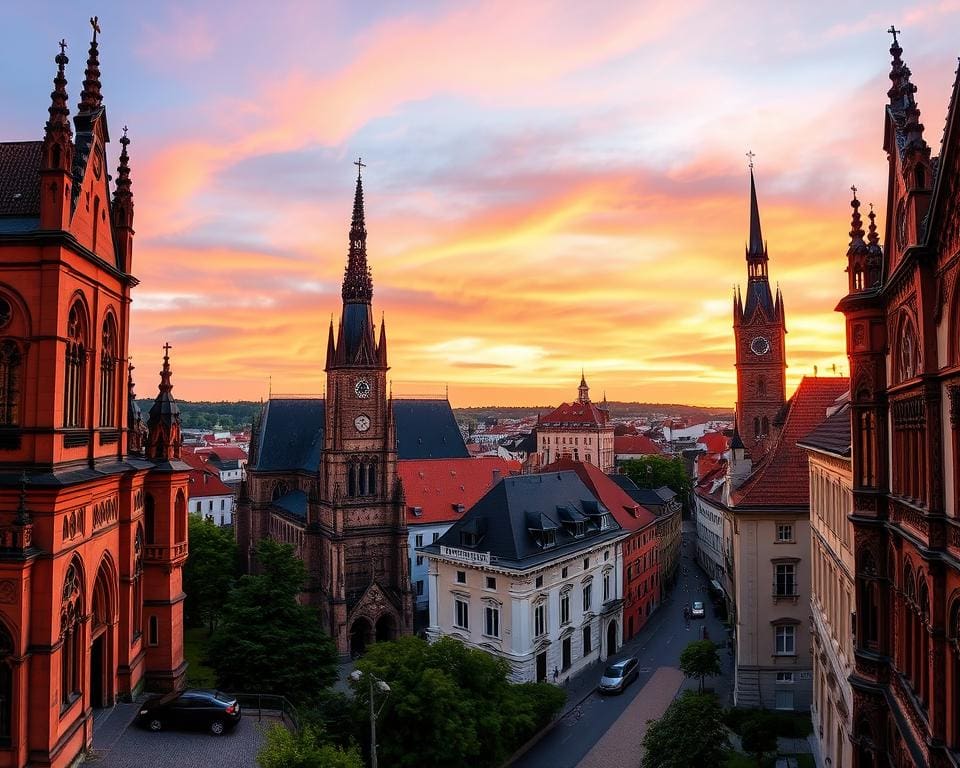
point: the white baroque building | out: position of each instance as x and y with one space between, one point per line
533 574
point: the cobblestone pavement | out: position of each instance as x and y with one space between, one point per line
622 744
118 743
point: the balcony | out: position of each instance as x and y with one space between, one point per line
465 555
154 554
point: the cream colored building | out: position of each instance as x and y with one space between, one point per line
579 430
832 601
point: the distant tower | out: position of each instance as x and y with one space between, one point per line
759 331
583 389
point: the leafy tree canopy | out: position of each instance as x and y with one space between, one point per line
308 749
657 471
209 573
690 732
450 705
758 735
268 642
699 660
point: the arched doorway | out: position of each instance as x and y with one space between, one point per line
386 628
611 638
101 640
361 635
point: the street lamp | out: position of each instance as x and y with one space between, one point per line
382 686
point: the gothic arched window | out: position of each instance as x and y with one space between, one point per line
11 371
75 369
765 426
71 612
137 622
180 518
908 351
756 426
108 373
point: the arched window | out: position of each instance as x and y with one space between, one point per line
11 370
75 369
908 351
279 489
96 221
180 518
150 519
372 480
137 622
353 485
6 685
71 611
756 426
108 373
765 426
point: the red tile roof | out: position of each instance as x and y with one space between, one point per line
783 478
630 515
715 442
577 413
224 452
204 478
438 486
635 444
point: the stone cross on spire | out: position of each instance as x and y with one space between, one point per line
894 31
751 155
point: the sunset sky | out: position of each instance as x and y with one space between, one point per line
549 187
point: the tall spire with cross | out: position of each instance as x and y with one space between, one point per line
90 97
57 152
163 425
357 282
758 285
902 99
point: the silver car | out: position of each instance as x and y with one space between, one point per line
618 676
697 612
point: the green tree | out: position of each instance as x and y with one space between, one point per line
266 641
758 736
657 471
690 732
700 660
450 705
307 749
209 573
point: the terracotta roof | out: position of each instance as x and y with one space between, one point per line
635 444
223 452
783 478
714 442
631 515
438 487
20 178
575 414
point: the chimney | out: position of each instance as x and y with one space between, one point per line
496 476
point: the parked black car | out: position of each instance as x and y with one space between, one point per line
191 709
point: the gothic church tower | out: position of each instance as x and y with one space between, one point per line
362 541
759 331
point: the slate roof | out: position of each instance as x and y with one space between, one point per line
293 503
832 435
647 497
502 516
437 486
635 445
427 429
291 433
783 478
631 514
20 179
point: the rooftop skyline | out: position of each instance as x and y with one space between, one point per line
548 188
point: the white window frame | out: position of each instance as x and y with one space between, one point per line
565 608
491 620
783 528
787 633
587 597
540 619
461 610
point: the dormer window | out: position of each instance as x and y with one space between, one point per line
459 508
548 538
417 511
468 539
578 529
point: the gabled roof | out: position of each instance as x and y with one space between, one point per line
646 497
292 431
575 414
783 478
631 515
204 478
224 452
503 516
435 488
714 442
20 179
635 445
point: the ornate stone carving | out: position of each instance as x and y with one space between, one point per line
8 591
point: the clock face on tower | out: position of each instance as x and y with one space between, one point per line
759 345
362 423
362 388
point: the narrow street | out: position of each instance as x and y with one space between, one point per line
658 645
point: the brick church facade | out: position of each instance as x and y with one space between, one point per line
902 315
323 474
92 499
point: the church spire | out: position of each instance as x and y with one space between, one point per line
583 389
758 286
902 100
90 97
58 131
357 282
164 422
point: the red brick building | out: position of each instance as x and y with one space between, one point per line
93 510
902 315
641 561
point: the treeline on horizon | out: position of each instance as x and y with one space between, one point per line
230 416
